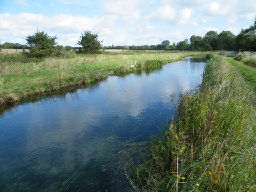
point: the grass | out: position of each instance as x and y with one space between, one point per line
22 77
247 72
210 146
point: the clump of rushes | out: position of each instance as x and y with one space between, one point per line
210 146
22 77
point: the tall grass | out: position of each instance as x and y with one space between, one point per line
247 72
210 146
22 76
248 58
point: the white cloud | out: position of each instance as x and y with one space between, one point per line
166 13
193 23
24 24
128 10
192 3
121 7
232 18
184 16
222 7
215 9
234 30
202 31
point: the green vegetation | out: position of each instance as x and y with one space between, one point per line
41 44
247 72
210 146
225 40
22 77
8 45
90 43
246 39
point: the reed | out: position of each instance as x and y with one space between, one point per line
210 146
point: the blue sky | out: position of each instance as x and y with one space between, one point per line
123 22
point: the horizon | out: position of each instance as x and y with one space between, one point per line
120 23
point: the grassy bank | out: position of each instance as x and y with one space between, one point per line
247 71
22 77
210 146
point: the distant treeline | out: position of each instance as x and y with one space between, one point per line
226 40
8 45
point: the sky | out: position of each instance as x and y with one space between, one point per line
122 22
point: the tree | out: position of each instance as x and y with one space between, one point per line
90 43
41 44
227 40
246 39
195 43
165 44
210 35
183 45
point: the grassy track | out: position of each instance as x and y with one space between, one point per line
248 72
21 77
210 146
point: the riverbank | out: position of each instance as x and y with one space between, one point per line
22 77
211 145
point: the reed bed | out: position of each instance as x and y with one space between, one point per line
22 77
210 146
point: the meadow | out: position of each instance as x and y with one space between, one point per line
23 77
211 145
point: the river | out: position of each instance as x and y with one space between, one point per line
71 141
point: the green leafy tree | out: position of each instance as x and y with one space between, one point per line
90 43
41 44
210 35
165 44
183 45
246 39
226 40
196 43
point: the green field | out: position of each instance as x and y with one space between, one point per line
22 77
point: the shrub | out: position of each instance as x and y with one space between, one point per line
41 44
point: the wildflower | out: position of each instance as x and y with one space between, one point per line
210 173
183 147
197 184
204 173
176 176
182 177
227 133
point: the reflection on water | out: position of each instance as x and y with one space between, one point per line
71 142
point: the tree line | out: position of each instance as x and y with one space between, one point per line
41 44
226 40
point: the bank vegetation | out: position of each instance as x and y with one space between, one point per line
210 146
23 77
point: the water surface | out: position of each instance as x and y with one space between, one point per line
70 142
